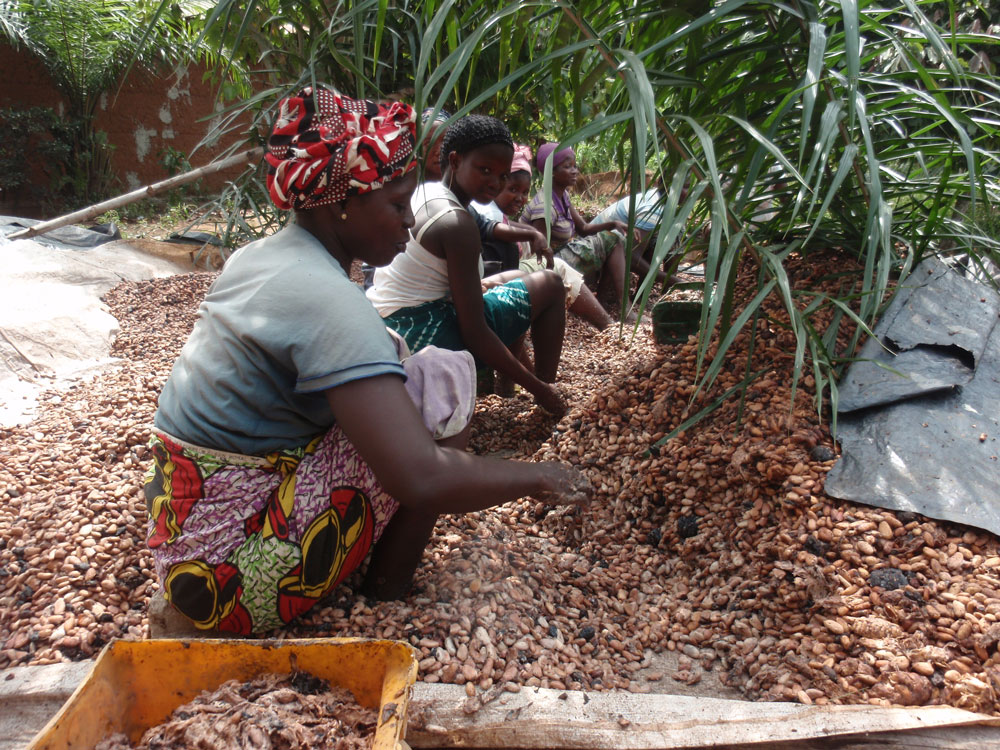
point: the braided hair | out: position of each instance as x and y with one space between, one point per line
471 132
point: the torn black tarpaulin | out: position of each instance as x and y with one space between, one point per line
919 416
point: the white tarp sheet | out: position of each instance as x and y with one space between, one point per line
53 325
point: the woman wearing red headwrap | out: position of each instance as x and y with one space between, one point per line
286 443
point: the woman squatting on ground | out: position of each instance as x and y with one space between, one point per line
290 439
432 294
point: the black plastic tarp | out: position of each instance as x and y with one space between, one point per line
69 237
919 414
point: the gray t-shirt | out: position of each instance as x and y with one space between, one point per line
281 324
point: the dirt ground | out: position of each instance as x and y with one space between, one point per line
713 562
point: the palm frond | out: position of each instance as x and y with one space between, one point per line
795 126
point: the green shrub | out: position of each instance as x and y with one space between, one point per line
75 162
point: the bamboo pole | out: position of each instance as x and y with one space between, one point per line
84 214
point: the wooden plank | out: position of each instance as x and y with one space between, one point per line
543 720
946 738
30 696
441 716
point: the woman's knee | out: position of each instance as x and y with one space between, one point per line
545 285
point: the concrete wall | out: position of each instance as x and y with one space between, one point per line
150 113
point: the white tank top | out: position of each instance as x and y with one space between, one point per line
416 275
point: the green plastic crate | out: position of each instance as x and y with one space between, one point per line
675 320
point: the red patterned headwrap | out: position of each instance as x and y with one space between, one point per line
327 146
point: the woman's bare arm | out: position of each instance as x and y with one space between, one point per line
456 237
381 421
516 232
427 478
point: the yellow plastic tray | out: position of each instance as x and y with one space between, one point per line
135 685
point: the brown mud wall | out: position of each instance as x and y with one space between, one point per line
149 114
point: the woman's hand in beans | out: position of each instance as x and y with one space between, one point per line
569 486
550 399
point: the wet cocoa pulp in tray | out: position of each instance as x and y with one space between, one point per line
284 712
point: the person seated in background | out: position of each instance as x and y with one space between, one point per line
595 248
648 214
506 208
503 241
290 440
432 294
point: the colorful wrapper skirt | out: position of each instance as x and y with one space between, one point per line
588 254
245 544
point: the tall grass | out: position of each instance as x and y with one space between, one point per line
779 128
